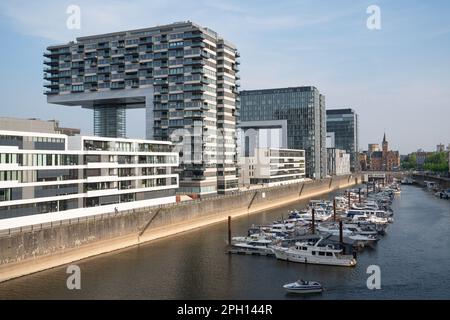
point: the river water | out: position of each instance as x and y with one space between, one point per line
414 260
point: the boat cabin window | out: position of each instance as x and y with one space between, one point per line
329 254
313 253
304 248
321 253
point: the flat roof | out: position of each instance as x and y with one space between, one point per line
276 90
82 137
96 138
341 111
137 32
32 134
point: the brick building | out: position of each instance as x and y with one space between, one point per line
385 160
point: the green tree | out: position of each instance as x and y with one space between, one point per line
436 162
410 162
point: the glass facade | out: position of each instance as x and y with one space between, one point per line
110 122
344 124
304 110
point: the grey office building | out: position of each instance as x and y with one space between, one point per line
184 75
344 124
304 110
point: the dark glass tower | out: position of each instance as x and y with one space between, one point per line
304 110
344 124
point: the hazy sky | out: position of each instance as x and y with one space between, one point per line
396 78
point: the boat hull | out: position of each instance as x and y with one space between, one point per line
294 257
304 291
258 249
308 287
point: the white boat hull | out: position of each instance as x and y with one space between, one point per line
260 249
297 257
308 287
304 290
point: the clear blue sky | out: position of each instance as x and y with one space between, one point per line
397 78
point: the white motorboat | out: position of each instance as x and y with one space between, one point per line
346 232
363 238
253 237
314 253
372 219
319 215
302 286
333 230
260 245
361 229
407 180
282 228
376 216
367 205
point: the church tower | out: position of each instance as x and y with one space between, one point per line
385 144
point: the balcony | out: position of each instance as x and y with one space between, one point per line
51 62
51 69
130 43
104 45
52 85
191 35
131 67
117 85
56 52
146 40
78 56
50 92
48 76
132 84
117 76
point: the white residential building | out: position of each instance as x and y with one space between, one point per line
338 162
47 177
270 167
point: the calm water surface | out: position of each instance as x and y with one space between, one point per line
414 258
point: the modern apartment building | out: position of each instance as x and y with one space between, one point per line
304 110
184 75
271 167
343 123
338 162
42 173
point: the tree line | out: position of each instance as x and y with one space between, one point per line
436 162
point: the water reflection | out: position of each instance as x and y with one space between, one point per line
413 257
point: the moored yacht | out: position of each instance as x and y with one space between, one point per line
314 253
253 237
282 228
259 245
351 233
